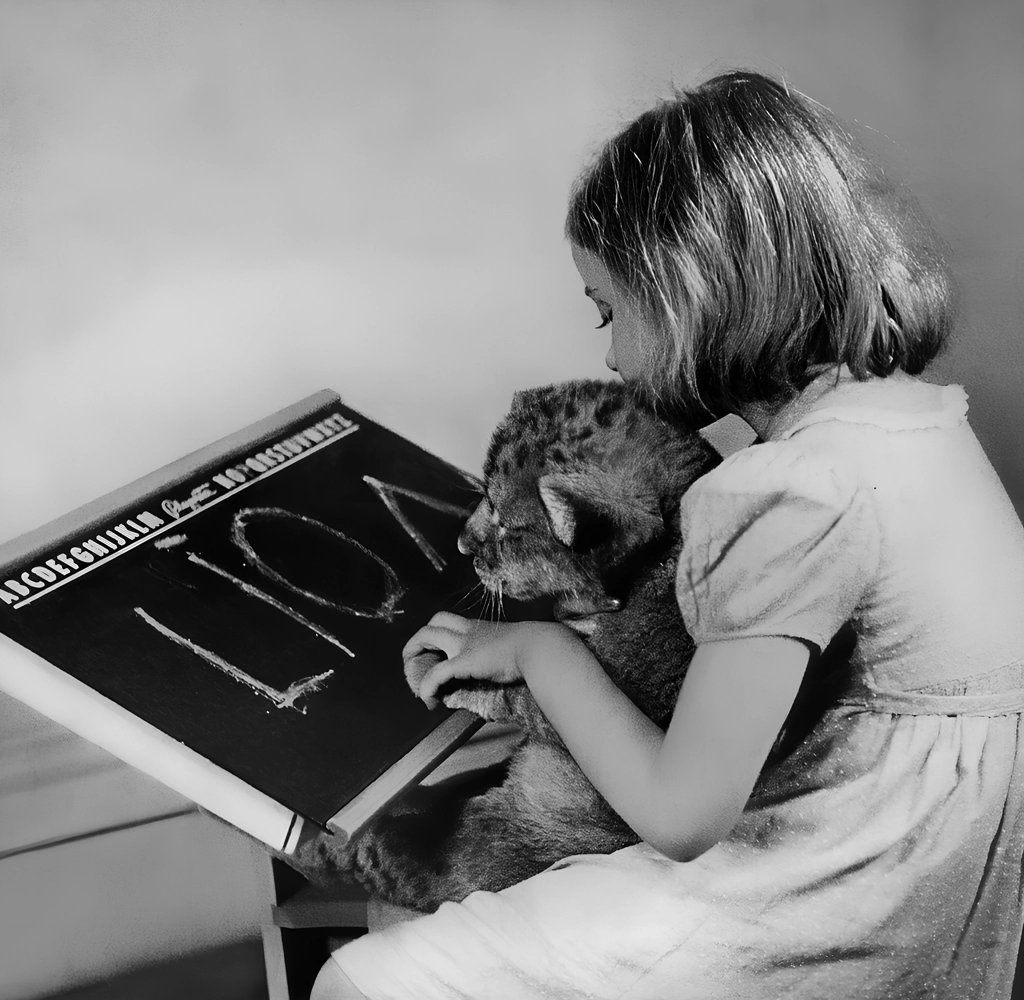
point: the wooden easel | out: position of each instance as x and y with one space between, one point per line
305 925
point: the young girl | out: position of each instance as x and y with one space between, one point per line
747 259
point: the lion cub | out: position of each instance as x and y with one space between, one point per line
581 503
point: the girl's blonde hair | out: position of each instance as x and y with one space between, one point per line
761 244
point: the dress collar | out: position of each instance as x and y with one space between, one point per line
896 402
772 420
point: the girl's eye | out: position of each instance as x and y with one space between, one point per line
606 316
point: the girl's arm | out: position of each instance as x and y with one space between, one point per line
682 790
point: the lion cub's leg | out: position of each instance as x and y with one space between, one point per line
543 811
510 703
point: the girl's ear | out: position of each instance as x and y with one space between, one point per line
590 509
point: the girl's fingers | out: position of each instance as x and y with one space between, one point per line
432 644
454 648
456 623
433 637
416 668
439 675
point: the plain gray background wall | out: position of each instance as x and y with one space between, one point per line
211 209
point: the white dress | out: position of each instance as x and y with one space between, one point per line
882 857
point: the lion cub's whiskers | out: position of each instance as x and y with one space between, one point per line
465 602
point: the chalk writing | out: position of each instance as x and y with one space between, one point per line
387 491
282 699
251 591
393 589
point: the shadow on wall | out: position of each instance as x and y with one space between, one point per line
231 972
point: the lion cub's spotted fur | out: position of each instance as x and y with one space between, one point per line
582 489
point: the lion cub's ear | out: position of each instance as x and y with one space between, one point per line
559 506
590 509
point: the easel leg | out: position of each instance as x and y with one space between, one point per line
273 957
273 944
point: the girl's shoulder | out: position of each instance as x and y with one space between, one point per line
814 460
774 470
897 403
777 540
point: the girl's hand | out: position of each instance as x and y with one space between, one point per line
451 647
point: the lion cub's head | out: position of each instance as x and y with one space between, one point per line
582 488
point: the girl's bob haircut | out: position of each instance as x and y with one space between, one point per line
760 245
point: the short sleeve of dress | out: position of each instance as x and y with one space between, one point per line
775 543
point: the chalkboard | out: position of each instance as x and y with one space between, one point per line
251 602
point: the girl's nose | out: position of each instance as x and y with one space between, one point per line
609 359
